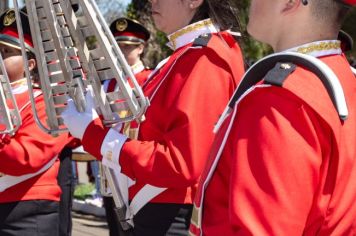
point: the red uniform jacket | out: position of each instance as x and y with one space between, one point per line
142 75
187 96
288 167
27 152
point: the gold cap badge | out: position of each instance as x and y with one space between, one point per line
9 18
121 25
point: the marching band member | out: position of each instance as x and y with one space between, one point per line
29 193
284 162
132 38
187 92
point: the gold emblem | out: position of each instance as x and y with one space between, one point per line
9 18
121 25
285 66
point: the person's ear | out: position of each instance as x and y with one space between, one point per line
31 64
194 4
141 47
291 5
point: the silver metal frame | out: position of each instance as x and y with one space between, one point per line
67 66
9 112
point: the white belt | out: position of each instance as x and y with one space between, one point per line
7 181
142 197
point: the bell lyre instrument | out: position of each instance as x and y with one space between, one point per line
67 64
10 119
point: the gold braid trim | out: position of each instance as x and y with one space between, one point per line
173 37
319 47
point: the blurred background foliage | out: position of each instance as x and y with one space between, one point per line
156 49
350 27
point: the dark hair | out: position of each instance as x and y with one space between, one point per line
221 12
329 11
34 72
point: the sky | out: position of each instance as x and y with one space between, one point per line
125 1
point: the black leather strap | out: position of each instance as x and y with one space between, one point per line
279 73
202 40
272 64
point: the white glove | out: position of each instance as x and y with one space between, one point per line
77 122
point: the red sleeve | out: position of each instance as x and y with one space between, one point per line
30 148
74 143
190 102
275 145
142 76
93 138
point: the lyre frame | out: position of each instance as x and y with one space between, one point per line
74 85
137 102
11 117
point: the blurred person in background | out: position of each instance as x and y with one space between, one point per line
132 38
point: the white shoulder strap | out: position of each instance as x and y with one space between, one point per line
257 72
353 70
332 79
8 181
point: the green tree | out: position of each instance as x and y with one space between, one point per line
156 50
253 50
350 27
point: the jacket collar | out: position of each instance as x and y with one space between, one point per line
319 48
137 68
19 86
187 34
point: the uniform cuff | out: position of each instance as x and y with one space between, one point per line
111 148
93 138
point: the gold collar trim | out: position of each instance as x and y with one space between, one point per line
19 86
138 67
187 34
18 82
319 48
